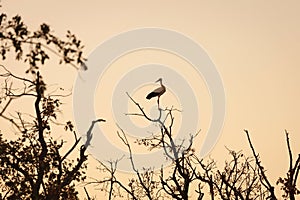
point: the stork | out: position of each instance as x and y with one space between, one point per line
158 91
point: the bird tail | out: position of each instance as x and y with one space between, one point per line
150 95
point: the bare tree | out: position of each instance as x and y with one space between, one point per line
243 177
289 184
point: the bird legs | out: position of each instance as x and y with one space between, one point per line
158 102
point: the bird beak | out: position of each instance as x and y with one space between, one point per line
158 80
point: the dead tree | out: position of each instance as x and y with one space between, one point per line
242 178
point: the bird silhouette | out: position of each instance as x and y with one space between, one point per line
157 92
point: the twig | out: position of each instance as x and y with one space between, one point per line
268 185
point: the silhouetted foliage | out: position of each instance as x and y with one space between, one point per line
35 47
243 177
37 166
34 166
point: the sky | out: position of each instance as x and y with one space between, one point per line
253 44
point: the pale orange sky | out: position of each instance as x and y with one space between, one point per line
255 46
